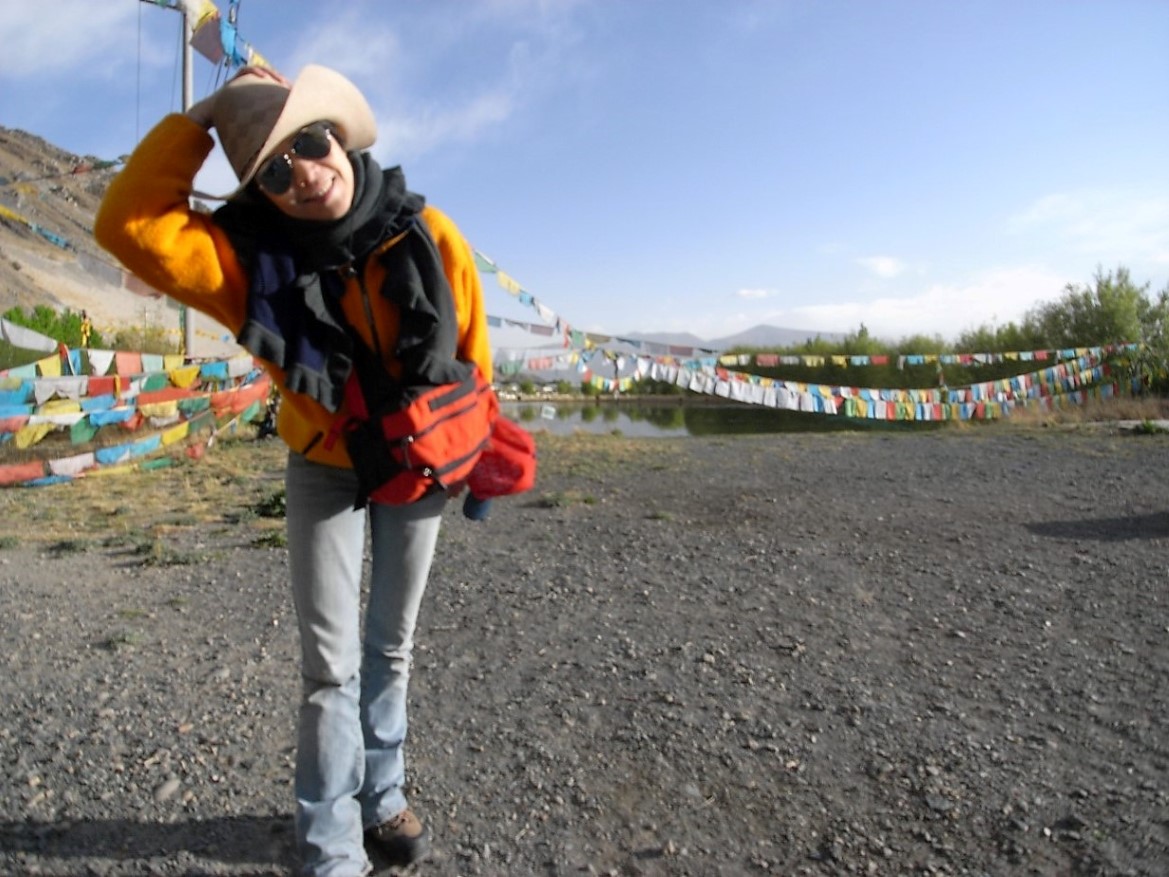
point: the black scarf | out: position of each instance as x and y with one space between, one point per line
293 314
382 207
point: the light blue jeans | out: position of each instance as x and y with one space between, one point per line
350 768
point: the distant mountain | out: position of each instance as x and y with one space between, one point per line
772 336
684 339
756 336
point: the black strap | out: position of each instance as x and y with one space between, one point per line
426 346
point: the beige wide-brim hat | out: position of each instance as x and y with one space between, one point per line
252 114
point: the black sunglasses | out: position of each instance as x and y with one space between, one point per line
312 141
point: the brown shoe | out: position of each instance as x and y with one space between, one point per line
401 839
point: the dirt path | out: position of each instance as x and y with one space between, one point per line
844 654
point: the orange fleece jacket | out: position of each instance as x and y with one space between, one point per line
146 221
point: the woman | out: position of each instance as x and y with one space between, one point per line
318 250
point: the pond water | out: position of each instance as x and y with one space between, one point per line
644 419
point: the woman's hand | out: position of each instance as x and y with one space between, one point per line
263 73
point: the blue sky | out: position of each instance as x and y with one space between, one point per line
915 166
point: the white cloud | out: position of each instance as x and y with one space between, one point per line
755 293
883 266
376 56
994 298
991 299
407 136
423 99
44 41
1111 226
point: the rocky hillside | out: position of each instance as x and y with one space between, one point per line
48 198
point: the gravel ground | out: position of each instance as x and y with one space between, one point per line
881 654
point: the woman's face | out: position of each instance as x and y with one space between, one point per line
308 175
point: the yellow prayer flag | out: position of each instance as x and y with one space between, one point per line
29 435
60 406
508 283
206 8
185 376
160 409
176 433
50 366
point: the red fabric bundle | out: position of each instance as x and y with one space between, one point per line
507 465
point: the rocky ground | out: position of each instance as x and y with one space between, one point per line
876 654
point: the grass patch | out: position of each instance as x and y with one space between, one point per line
69 546
601 456
275 506
159 552
1143 408
131 507
272 539
164 555
7 543
563 499
121 540
123 639
1147 427
179 521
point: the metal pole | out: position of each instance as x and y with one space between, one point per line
188 315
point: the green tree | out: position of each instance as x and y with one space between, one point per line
1110 310
1000 339
1113 309
861 343
1150 362
64 327
921 344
